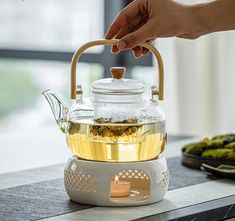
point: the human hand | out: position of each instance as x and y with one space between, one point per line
146 20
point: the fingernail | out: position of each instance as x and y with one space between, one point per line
115 52
121 45
136 57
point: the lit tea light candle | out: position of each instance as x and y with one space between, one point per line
120 188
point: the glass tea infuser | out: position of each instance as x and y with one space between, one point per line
117 137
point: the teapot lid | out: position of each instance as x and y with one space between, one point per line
117 85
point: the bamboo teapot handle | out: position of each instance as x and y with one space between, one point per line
77 54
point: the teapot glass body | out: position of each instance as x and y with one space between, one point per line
116 124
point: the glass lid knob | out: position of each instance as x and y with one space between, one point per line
117 72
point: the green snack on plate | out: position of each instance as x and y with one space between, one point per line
215 143
195 148
230 146
219 154
227 138
232 155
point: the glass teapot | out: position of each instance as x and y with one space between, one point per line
115 124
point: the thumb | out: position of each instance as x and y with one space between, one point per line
132 39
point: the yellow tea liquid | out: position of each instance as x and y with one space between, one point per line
138 142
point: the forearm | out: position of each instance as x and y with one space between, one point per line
218 15
144 20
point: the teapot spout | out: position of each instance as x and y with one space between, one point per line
59 109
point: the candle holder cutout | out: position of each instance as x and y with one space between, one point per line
130 185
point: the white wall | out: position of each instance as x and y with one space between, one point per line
200 82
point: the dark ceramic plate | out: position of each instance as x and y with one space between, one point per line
223 170
195 162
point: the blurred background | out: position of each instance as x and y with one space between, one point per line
37 41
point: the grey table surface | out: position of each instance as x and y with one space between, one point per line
175 199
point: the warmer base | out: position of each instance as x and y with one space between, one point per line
89 182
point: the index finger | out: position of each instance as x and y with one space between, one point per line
122 19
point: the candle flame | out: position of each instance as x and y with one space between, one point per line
116 178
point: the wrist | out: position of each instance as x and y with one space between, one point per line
201 19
